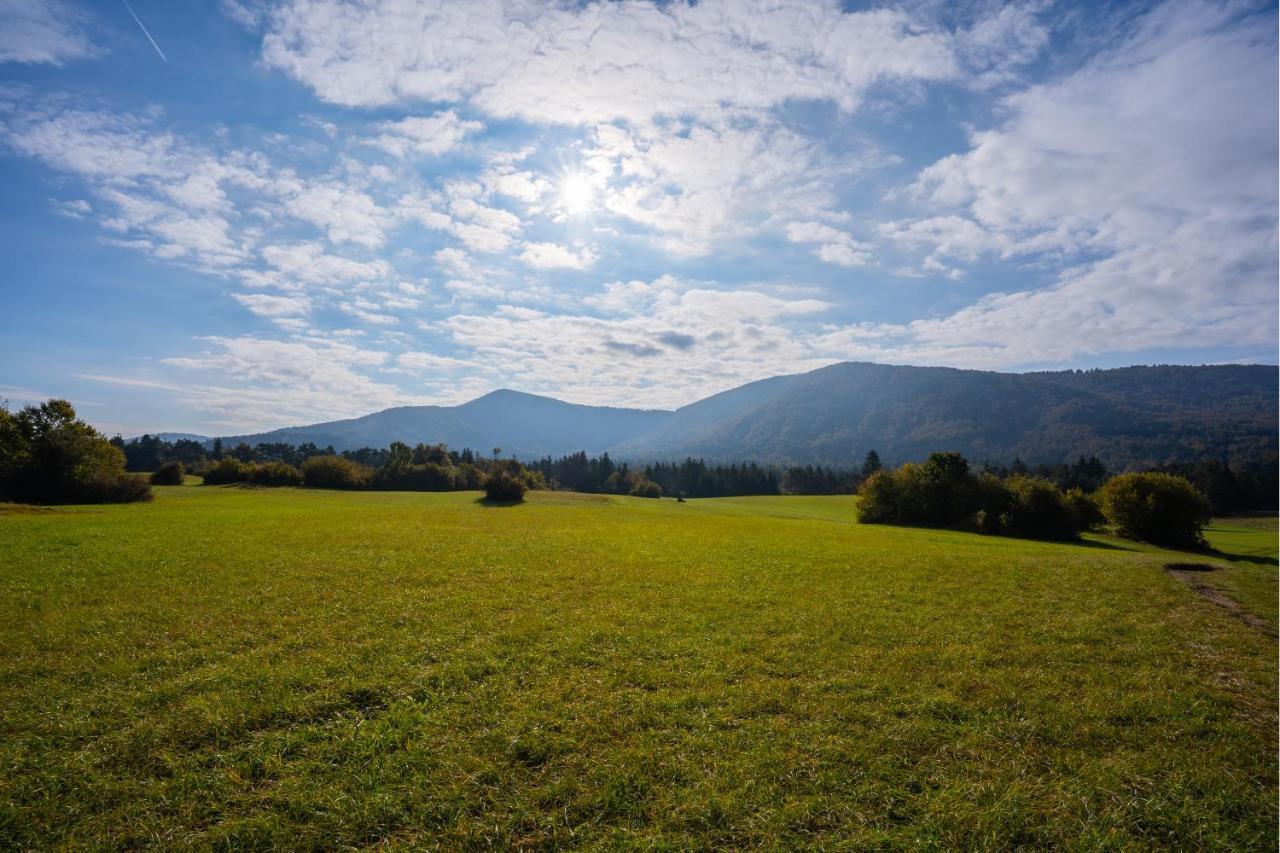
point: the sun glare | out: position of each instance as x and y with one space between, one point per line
576 194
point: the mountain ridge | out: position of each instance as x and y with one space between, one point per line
1142 415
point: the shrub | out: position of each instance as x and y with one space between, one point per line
940 492
117 489
427 477
646 489
275 474
533 480
169 474
228 470
880 499
48 455
504 487
1084 508
994 500
1037 510
335 472
1161 508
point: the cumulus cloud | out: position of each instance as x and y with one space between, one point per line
834 246
550 256
1157 158
425 135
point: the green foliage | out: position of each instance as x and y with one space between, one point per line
1153 507
275 474
503 486
646 489
1037 510
335 472
169 474
227 470
941 492
1085 508
49 456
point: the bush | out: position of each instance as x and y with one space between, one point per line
646 489
274 474
1037 510
427 477
940 492
994 500
1160 508
48 455
504 487
335 472
228 470
117 489
1084 508
169 474
880 499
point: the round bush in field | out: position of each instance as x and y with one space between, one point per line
646 489
1038 510
168 474
504 488
1161 508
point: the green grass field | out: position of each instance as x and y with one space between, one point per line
253 668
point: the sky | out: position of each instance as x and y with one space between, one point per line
228 216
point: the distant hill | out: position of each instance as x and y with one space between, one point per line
175 436
1134 416
525 425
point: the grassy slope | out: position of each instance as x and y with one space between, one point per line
310 668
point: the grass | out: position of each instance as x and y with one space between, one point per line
251 668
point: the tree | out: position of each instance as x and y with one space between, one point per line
1161 508
48 455
871 464
217 449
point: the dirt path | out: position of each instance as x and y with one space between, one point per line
1189 573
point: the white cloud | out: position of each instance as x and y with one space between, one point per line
426 361
268 383
836 246
346 215
274 306
549 256
661 342
297 264
50 32
425 135
1158 159
632 61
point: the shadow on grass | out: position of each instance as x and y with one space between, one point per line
1237 558
488 504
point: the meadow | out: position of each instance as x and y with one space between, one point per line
245 668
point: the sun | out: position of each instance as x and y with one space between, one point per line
576 194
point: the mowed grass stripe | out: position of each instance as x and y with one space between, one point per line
256 667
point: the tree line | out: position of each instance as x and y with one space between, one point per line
1252 487
943 492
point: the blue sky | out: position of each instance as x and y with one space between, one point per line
316 209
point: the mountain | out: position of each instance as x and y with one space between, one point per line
175 436
525 425
1128 416
1133 416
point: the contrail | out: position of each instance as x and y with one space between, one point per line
144 30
